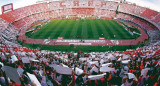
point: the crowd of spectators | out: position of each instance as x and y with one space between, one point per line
8 32
47 68
131 8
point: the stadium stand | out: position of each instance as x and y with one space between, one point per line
144 24
130 8
150 14
124 16
156 18
131 66
3 24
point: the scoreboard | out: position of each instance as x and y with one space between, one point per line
7 7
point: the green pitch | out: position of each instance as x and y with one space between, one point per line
81 29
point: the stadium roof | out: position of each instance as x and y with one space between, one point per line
152 4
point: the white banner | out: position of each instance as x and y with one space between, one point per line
34 79
85 41
106 69
95 77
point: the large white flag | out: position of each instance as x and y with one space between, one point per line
13 58
34 79
12 73
62 70
78 71
95 77
106 69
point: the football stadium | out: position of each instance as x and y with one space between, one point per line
80 43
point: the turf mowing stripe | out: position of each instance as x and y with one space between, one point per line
116 30
74 30
99 29
69 31
113 29
53 29
40 33
122 31
79 31
94 29
49 25
108 29
89 30
59 29
103 29
48 30
66 29
84 30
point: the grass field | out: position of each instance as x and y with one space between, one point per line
81 29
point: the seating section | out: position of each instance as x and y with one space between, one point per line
8 17
146 25
150 14
130 8
38 8
111 5
140 11
3 25
8 33
156 18
124 16
82 11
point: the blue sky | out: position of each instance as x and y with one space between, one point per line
153 4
